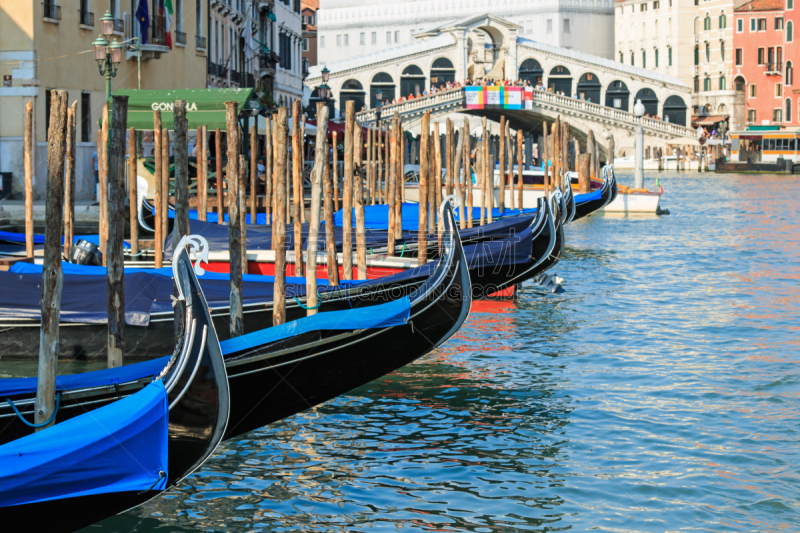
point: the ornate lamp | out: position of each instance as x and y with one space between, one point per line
107 25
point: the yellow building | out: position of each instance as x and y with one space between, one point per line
46 45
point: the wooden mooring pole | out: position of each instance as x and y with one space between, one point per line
115 259
467 170
358 192
347 203
52 277
220 180
312 297
69 182
133 196
103 175
202 173
254 173
501 204
234 220
279 222
330 236
27 158
422 232
180 152
297 189
390 185
159 191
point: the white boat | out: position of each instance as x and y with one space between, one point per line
625 203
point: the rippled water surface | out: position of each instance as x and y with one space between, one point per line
658 393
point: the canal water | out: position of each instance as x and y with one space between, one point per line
659 392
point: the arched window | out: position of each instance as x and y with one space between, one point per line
789 32
669 56
412 81
789 73
644 59
722 21
530 70
352 85
675 110
412 70
708 53
656 52
707 22
788 114
443 63
722 83
621 59
722 51
696 55
632 62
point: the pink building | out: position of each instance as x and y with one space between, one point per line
764 52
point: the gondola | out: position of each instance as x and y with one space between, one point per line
601 198
118 441
279 371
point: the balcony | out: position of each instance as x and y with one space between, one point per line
200 42
52 12
86 19
722 66
180 38
119 26
696 38
697 70
156 39
774 69
268 61
642 43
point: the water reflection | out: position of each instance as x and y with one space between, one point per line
659 392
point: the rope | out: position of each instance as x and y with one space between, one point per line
403 250
309 308
31 425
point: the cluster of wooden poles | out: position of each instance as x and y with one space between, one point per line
374 178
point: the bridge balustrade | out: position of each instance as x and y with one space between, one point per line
552 100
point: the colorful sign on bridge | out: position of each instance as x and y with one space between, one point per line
494 97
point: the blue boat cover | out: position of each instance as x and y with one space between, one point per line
98 378
10 236
377 216
260 237
385 315
116 448
588 197
91 270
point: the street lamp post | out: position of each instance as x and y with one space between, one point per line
108 56
324 92
638 176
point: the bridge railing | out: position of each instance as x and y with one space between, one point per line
618 116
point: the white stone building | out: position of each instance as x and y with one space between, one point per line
288 44
349 28
689 39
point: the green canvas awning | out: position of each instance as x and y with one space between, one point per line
204 107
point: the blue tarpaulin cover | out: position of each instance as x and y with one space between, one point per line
384 315
10 236
381 316
116 448
98 378
377 216
588 197
260 237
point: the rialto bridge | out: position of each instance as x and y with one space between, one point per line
488 47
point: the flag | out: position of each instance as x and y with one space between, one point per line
168 6
143 16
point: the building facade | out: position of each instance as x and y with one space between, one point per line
42 47
280 41
689 39
230 62
348 28
764 63
309 13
